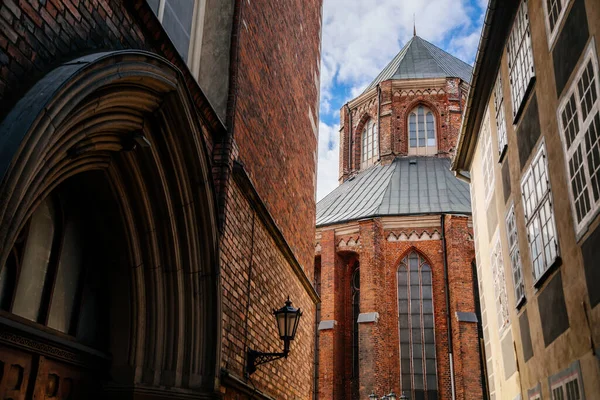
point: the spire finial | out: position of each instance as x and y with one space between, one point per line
414 26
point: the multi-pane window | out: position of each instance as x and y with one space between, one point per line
515 256
579 120
500 118
370 144
176 17
555 11
47 278
416 325
421 132
499 285
488 159
539 214
520 57
566 385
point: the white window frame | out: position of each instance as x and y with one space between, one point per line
579 143
500 116
196 31
499 281
487 159
520 58
515 255
563 383
427 149
552 34
538 204
369 151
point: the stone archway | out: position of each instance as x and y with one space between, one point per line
128 116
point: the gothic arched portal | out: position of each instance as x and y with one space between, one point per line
106 199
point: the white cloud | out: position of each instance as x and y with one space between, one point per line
328 174
360 37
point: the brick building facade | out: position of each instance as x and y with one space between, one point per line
394 243
148 174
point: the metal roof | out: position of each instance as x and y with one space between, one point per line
407 186
420 59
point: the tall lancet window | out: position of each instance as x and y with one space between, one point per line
370 144
417 339
421 132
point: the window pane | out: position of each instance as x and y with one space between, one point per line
432 384
429 337
177 21
427 306
402 276
426 276
426 292
404 336
430 350
67 278
430 130
412 129
403 306
35 262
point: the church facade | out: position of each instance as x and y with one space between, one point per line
394 256
146 232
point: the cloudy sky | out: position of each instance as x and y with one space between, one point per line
361 36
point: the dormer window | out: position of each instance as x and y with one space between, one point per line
421 132
370 144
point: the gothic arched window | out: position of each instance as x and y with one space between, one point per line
370 144
422 140
48 278
417 335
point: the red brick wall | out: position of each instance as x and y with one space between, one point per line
277 84
256 278
393 121
36 36
379 342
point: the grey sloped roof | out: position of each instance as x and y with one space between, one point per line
409 185
420 59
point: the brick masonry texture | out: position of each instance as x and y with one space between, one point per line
378 258
277 88
446 104
278 63
256 279
379 343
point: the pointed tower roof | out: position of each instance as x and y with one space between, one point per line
420 59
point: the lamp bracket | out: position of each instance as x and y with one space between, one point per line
256 358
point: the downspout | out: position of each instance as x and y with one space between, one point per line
349 139
378 122
448 317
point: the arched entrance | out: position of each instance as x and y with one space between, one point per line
108 241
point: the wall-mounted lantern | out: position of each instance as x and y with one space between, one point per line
287 318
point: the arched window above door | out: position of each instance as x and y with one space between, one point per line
370 144
422 138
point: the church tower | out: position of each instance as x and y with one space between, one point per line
394 255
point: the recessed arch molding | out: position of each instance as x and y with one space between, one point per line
99 113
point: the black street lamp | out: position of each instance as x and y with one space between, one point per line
287 318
